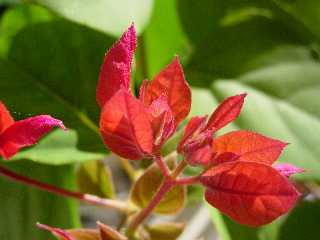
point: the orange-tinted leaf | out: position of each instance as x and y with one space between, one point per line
116 68
162 120
5 118
251 193
108 233
225 157
250 146
125 126
171 83
25 133
226 112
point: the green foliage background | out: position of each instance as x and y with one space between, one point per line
50 60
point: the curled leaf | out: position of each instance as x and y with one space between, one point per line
226 112
25 133
250 146
201 156
108 233
171 83
116 68
125 126
251 193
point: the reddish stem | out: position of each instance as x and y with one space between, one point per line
188 180
121 206
162 165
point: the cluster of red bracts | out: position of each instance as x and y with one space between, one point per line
238 173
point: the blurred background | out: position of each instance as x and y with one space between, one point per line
50 56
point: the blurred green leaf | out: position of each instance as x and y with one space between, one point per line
60 76
147 185
167 231
96 178
57 148
15 18
109 16
22 207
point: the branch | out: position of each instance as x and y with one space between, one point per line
95 200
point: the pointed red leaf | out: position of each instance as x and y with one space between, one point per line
5 118
251 193
125 126
250 146
226 112
287 169
162 120
201 156
194 126
25 133
171 82
116 68
59 233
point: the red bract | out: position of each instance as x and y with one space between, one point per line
16 135
250 146
249 192
115 70
135 128
125 126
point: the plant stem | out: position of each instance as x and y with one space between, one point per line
109 203
162 165
188 180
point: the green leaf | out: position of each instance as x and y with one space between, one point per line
60 76
279 119
109 16
168 231
22 207
164 37
147 185
57 148
96 178
16 18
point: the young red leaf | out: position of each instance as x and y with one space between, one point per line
194 126
171 83
25 133
251 193
116 68
162 120
125 126
201 156
226 112
287 169
5 118
250 146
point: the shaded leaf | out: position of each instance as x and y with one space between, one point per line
147 185
168 231
96 178
108 233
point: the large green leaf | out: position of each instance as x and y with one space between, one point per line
22 207
104 15
57 148
60 76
